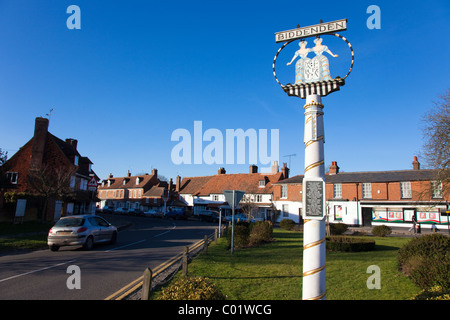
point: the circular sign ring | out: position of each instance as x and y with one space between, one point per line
332 34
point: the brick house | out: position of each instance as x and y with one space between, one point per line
53 161
373 198
141 192
206 192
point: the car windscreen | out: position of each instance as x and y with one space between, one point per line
70 222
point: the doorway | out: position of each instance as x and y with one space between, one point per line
366 217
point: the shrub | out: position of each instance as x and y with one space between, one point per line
287 224
426 260
349 244
191 288
338 228
381 231
434 293
260 232
241 234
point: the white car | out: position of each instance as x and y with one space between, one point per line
85 230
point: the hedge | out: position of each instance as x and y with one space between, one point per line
349 244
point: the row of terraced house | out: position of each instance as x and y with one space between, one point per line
355 198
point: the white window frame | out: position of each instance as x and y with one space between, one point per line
367 190
284 191
436 189
405 189
12 177
337 190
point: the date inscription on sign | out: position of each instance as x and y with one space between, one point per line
314 198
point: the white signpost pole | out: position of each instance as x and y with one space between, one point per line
314 246
312 82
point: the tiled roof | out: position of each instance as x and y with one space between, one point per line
130 182
248 182
372 176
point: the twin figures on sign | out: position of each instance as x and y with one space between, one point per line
312 70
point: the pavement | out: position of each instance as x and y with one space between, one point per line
398 231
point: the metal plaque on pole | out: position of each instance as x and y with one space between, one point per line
233 198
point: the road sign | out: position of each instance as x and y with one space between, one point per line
92 183
314 198
310 31
233 197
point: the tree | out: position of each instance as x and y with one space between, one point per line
436 148
49 182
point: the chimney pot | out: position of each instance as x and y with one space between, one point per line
416 164
253 169
221 171
334 169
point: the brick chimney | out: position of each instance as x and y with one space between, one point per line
253 169
72 142
334 169
416 164
275 167
285 170
221 171
170 184
155 172
39 139
178 184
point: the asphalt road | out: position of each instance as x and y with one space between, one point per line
43 274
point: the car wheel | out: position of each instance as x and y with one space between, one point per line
54 248
89 244
113 238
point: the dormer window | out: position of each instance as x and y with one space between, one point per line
137 180
12 177
262 183
109 183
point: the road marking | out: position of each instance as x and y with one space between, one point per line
130 244
34 271
127 245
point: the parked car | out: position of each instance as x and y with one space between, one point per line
239 217
136 212
153 214
85 230
210 216
121 211
107 209
176 214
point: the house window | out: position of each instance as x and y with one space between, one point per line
262 183
215 197
139 193
367 190
76 160
12 177
405 189
285 209
284 194
259 198
436 189
337 190
72 182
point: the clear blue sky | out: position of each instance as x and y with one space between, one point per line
138 70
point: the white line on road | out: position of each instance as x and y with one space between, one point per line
30 272
127 245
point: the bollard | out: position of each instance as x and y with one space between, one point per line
185 261
215 236
147 284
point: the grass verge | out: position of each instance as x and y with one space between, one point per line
273 271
